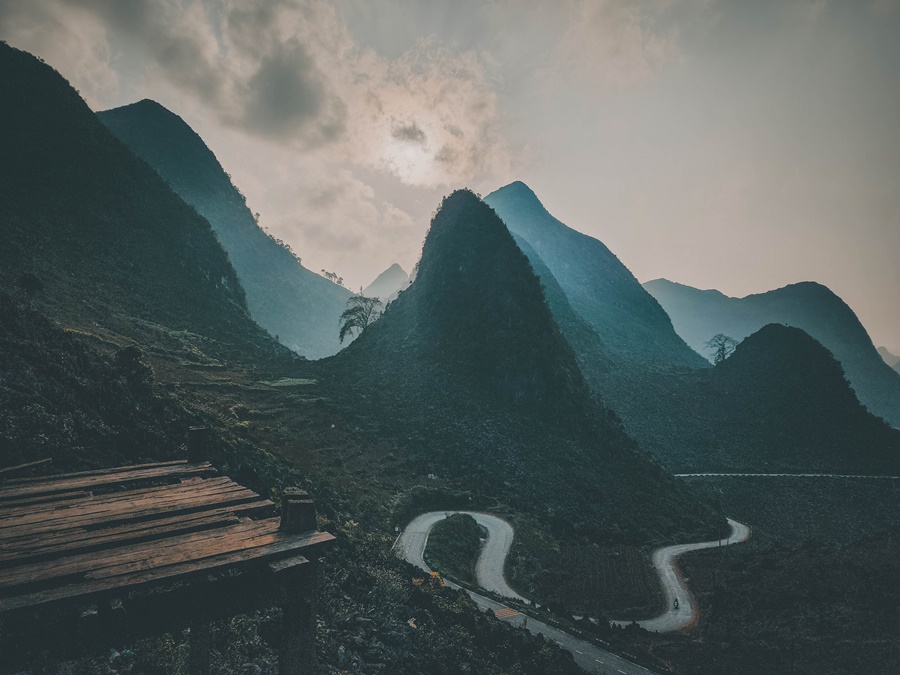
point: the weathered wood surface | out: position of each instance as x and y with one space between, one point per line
72 537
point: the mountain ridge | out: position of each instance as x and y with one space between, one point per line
698 315
469 371
107 239
599 287
298 306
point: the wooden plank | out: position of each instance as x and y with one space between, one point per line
94 481
122 514
284 545
35 508
288 564
39 502
98 472
80 540
107 512
144 555
19 467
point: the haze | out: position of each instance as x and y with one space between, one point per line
732 145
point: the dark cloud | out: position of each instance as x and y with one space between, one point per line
445 155
287 93
409 132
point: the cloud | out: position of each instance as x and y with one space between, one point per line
409 132
431 117
293 107
66 39
615 42
287 97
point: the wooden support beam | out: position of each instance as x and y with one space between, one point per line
298 584
298 512
198 444
200 644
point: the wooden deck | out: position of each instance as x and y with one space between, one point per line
112 538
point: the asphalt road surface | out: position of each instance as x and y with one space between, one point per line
489 574
673 584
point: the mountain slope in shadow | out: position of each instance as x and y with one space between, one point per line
298 306
469 373
598 286
698 315
104 235
779 403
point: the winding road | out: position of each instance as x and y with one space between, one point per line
673 585
411 546
489 574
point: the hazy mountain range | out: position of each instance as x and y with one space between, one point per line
388 284
299 307
106 236
698 315
474 374
662 389
506 365
891 359
599 287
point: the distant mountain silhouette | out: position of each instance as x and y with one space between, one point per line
891 359
108 239
388 284
481 386
780 402
301 307
698 315
598 286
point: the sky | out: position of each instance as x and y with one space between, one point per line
719 143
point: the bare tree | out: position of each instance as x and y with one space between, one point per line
332 276
721 346
361 312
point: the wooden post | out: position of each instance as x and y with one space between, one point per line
200 643
298 512
197 444
298 584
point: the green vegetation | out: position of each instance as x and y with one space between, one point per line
778 403
98 228
154 337
291 302
803 608
453 547
807 305
361 312
471 381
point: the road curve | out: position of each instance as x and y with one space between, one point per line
488 569
673 585
411 544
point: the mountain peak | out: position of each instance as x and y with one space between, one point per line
293 303
598 286
477 313
388 284
698 315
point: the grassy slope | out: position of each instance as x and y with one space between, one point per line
453 547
